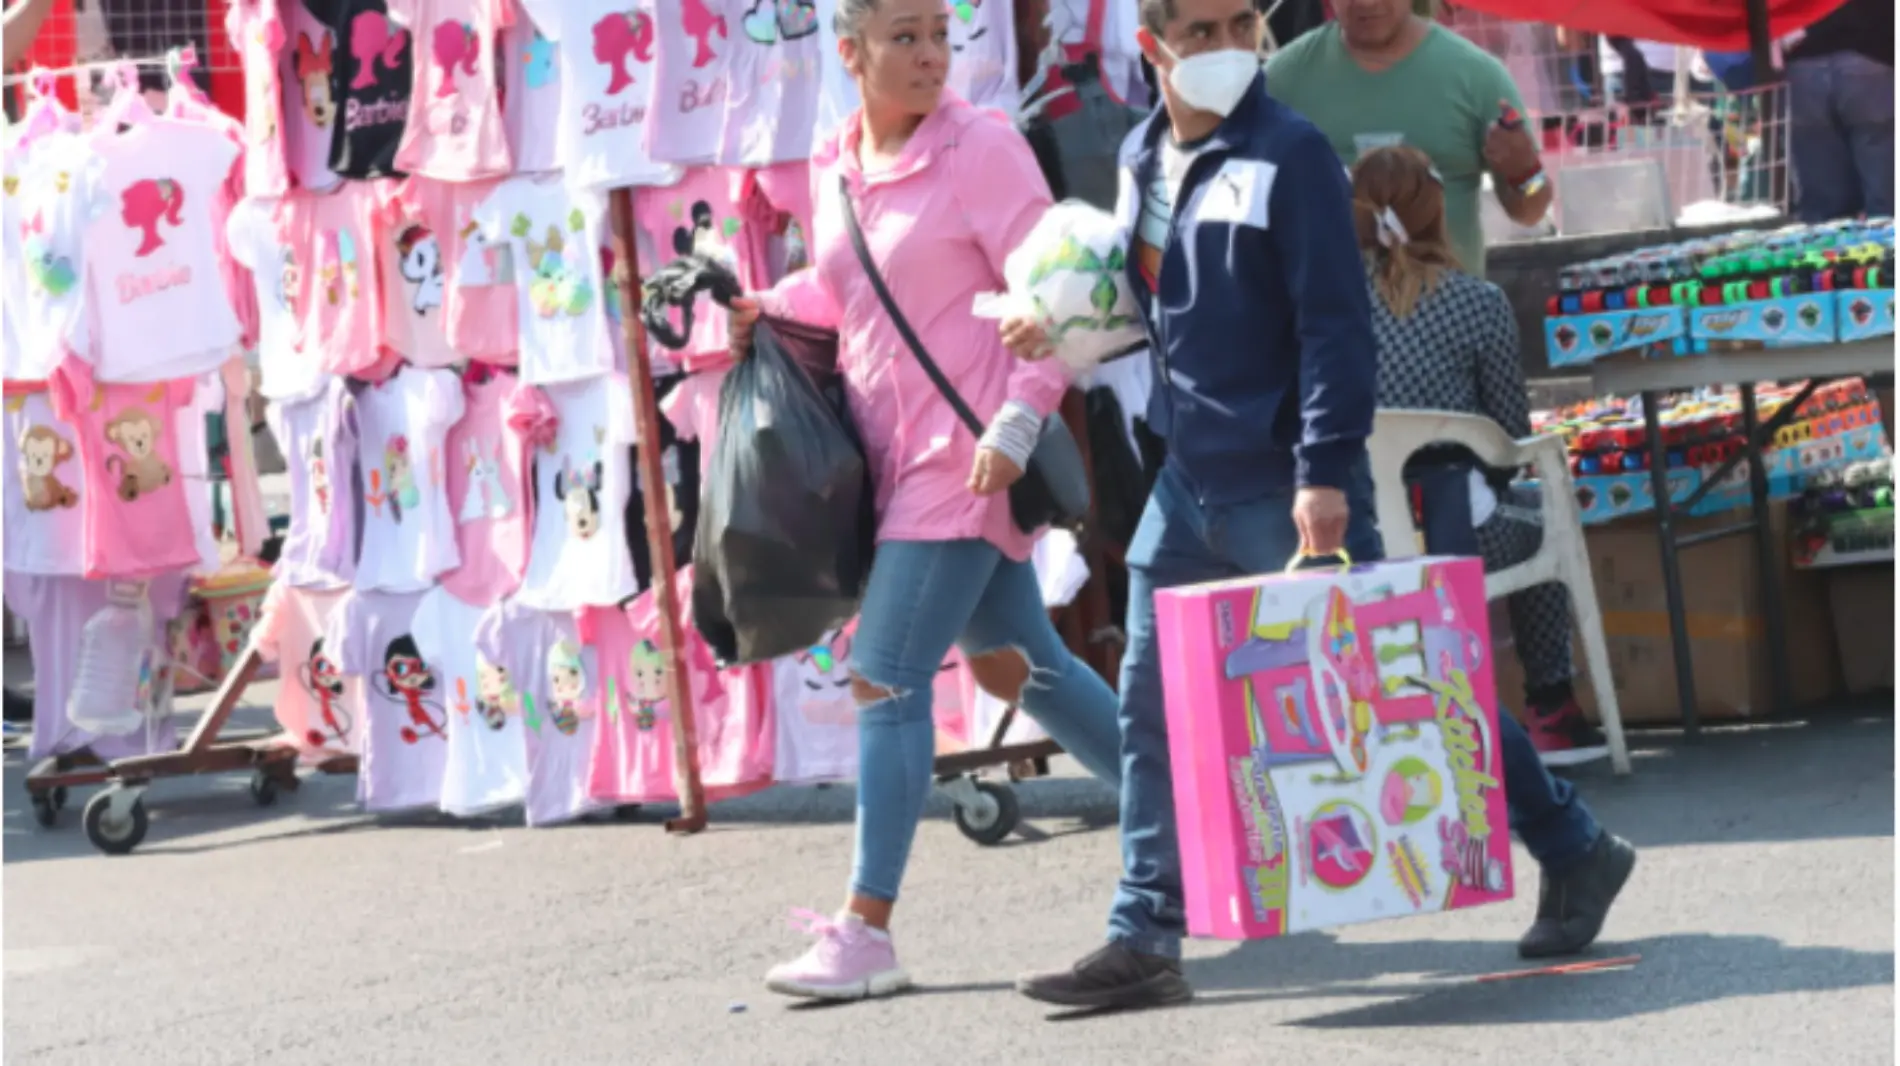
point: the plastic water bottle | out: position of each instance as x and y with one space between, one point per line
114 649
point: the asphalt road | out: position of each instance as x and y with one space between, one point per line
305 933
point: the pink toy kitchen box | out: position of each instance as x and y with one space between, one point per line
1334 737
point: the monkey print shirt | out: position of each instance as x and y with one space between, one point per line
317 436
690 70
319 709
408 532
488 495
607 86
310 101
578 436
370 82
135 521
159 308
554 681
257 33
44 527
404 748
454 130
554 236
487 759
531 98
772 83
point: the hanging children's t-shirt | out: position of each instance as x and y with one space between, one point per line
689 98
488 494
194 469
531 78
253 234
160 306
732 709
487 757
408 533
371 80
816 714
578 436
310 110
454 130
47 183
692 409
330 265
478 273
837 89
319 708
554 235
415 286
44 519
404 740
257 34
555 681
702 215
772 84
317 436
983 54
607 87
135 520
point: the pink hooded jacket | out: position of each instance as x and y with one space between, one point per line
939 223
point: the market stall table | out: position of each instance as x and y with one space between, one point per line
1631 373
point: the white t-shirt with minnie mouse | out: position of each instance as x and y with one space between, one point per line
579 436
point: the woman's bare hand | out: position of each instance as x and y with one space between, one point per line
1025 337
745 315
992 472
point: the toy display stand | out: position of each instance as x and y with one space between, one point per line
1631 373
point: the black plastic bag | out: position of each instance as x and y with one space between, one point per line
786 520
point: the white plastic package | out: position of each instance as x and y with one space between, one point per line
1070 274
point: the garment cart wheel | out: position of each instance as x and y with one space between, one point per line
45 809
263 788
627 812
114 834
992 817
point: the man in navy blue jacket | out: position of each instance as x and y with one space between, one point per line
1265 368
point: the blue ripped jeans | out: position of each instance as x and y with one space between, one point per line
923 597
1183 542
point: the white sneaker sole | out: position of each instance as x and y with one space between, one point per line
887 983
1574 756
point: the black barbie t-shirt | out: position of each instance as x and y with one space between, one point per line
370 80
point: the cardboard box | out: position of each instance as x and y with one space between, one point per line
1722 593
1860 599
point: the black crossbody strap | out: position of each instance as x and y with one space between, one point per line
897 317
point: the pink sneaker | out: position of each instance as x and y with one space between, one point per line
851 960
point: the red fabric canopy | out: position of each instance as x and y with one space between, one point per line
1718 25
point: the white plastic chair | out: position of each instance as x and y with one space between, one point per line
1560 558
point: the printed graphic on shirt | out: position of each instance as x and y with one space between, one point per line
47 272
406 679
395 483
537 59
559 287
313 74
339 272
707 236
454 46
144 204
421 267
42 451
483 262
322 679
771 21
579 493
319 468
376 44
701 25
138 468
487 496
967 27
567 684
495 695
288 275
646 685
824 673
617 37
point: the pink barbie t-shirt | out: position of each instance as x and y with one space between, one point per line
690 66
489 495
454 130
608 87
136 520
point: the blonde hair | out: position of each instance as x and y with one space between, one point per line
1398 209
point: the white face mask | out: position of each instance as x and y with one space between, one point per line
1213 81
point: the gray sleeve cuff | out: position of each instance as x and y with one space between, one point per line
1014 432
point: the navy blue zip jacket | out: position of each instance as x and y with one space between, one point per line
1265 365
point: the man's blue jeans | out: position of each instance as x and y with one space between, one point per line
1840 113
1182 542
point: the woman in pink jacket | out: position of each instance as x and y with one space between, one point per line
944 192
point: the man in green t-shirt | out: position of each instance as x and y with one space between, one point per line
1382 75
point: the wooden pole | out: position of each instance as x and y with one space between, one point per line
646 419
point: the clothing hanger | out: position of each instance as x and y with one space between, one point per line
127 106
45 113
184 99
